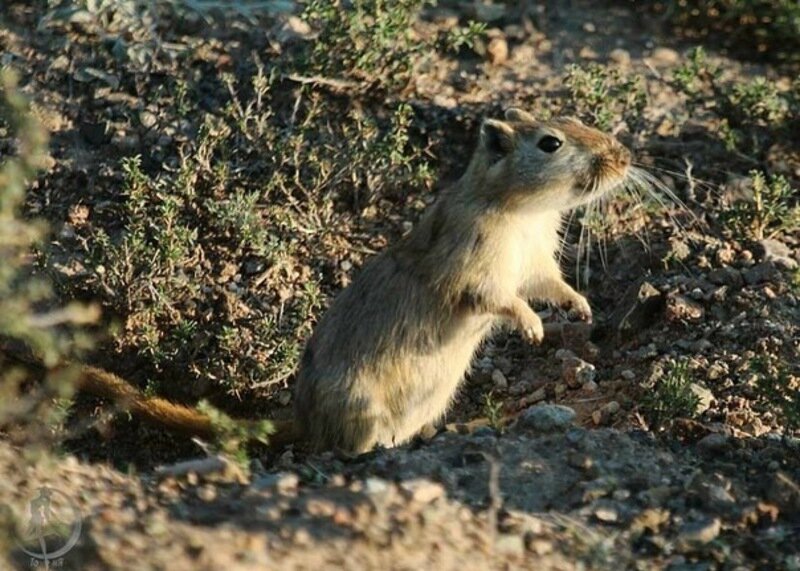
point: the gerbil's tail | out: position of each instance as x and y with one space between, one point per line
155 410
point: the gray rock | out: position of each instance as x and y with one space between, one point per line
547 418
696 534
760 273
603 415
726 276
488 12
285 397
681 308
638 310
499 380
254 266
784 492
770 250
704 397
577 372
282 482
148 119
564 354
713 444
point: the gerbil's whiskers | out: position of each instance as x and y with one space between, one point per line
585 244
565 232
634 192
687 176
644 181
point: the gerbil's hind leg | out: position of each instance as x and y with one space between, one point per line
359 434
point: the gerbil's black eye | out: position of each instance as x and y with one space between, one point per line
549 144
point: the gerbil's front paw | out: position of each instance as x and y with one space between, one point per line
580 306
531 328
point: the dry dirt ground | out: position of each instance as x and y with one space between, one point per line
600 468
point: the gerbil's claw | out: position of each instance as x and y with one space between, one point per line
534 335
581 308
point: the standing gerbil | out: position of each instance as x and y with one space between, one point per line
389 354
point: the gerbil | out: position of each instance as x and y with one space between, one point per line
388 356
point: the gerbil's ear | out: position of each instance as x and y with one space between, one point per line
517 114
497 137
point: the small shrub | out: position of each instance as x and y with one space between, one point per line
604 95
464 37
493 410
751 114
771 209
671 397
30 317
371 41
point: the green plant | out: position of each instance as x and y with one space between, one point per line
771 209
751 114
493 410
371 41
232 436
605 95
30 316
671 396
459 36
695 70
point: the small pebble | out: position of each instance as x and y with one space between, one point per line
497 51
713 443
665 56
509 545
539 546
606 515
422 490
576 372
620 56
604 414
696 534
499 380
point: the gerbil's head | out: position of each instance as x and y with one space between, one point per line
550 165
